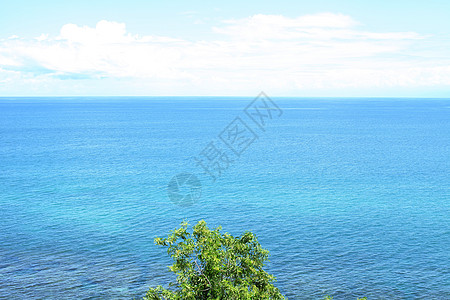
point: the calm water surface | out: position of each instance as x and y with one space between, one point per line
351 196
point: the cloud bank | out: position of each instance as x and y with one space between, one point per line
271 52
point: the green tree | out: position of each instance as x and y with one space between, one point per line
214 265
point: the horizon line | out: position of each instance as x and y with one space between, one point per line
221 96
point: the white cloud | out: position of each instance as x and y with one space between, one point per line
42 37
263 51
280 27
104 33
315 27
318 20
106 50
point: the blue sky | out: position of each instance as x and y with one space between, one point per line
286 48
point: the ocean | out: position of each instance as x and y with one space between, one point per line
351 196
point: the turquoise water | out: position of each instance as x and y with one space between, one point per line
351 196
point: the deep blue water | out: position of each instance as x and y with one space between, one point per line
351 196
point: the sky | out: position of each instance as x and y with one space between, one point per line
225 48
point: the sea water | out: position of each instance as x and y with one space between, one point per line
351 196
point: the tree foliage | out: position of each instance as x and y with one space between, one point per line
214 265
